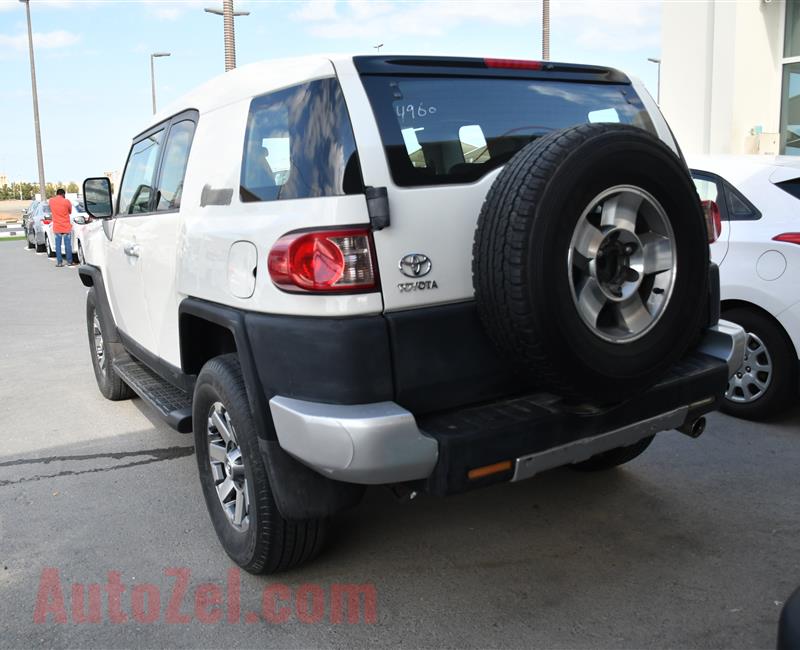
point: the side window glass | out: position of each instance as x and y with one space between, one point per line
707 189
299 144
137 185
740 208
173 169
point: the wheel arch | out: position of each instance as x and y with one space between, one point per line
735 303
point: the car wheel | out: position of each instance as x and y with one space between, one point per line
40 248
234 480
766 383
109 383
588 257
614 457
31 240
48 248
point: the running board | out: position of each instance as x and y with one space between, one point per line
173 404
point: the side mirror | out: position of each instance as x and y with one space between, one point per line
79 219
97 197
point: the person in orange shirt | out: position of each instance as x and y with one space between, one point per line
61 209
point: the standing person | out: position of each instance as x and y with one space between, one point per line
61 209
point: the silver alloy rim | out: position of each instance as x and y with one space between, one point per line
622 263
99 350
227 467
754 376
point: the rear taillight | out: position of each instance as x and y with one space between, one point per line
325 260
713 220
513 64
46 222
788 237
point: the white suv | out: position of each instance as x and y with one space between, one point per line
428 273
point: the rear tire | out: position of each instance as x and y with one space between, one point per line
234 477
109 383
761 394
614 457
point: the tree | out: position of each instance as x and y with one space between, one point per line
72 188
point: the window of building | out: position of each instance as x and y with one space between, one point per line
790 108
791 40
299 144
137 184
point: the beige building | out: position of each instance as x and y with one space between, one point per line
730 75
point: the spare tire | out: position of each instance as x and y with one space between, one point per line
590 261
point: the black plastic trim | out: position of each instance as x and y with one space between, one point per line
476 67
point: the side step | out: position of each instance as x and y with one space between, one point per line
174 405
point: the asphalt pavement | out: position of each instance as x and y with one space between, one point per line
694 544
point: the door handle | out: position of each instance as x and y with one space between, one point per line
131 250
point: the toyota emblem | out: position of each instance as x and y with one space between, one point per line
415 265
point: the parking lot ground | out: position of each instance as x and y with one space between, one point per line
694 544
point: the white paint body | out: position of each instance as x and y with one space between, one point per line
754 268
189 252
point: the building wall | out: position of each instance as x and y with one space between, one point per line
720 72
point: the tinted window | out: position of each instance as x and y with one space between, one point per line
173 169
739 207
137 184
791 186
455 130
299 144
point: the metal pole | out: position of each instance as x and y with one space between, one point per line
230 37
545 30
153 81
39 156
155 55
658 87
228 31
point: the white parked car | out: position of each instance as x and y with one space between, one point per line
758 253
428 273
79 219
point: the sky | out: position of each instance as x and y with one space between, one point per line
93 63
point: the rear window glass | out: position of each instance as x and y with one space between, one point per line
455 130
299 144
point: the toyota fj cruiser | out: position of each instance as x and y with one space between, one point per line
429 273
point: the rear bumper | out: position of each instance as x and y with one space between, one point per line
382 442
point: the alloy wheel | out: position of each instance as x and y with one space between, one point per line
227 467
622 263
754 376
99 346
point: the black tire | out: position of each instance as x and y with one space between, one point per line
28 240
781 392
270 543
109 383
614 457
40 248
521 251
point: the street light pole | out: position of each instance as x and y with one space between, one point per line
658 87
39 156
228 14
545 30
155 55
378 47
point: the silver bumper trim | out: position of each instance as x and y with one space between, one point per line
362 443
575 452
725 341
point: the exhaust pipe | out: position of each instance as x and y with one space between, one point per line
693 429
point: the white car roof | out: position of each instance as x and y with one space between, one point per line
248 81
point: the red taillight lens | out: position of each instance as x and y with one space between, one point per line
788 237
713 220
514 64
327 260
46 222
